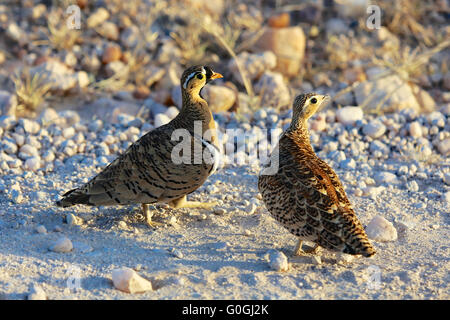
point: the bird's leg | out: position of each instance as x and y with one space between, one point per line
148 216
298 249
183 203
312 250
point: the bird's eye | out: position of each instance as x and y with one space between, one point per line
313 100
200 76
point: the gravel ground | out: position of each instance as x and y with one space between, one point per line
233 251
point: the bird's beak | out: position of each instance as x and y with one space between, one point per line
325 102
216 75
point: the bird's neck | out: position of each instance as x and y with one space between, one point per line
195 108
298 130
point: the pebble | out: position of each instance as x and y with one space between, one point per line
349 115
96 18
415 129
374 129
447 178
62 245
412 186
446 197
385 177
73 220
176 253
161 119
251 208
37 293
278 261
380 229
127 280
316 260
220 211
41 229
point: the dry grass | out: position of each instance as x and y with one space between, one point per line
31 91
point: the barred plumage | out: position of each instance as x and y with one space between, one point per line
305 195
146 173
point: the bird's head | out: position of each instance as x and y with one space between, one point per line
305 105
195 78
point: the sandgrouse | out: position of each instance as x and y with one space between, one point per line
155 168
304 194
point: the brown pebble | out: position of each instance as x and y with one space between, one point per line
141 92
111 53
281 20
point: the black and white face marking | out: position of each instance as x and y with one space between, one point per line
193 74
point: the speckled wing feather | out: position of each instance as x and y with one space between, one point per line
144 173
307 198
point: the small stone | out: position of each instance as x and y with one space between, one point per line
220 211
316 260
41 229
161 119
108 30
288 44
172 112
176 253
444 147
385 177
344 258
127 280
37 293
348 164
73 220
32 164
96 18
380 229
251 208
446 197
374 129
412 186
349 115
62 245
273 90
123 225
278 261
254 64
111 53
447 178
220 98
415 129
281 20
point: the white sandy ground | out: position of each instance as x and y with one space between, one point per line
222 256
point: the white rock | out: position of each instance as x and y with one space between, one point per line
72 220
278 261
415 129
379 229
316 260
444 147
374 129
412 186
41 229
251 208
447 178
37 293
176 253
127 280
254 65
220 98
385 177
161 119
96 18
172 112
62 245
349 115
32 164
68 132
446 197
273 90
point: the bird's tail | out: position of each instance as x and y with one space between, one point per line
362 246
72 197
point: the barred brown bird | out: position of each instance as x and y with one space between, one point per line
156 168
304 194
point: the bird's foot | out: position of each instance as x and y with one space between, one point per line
148 217
183 203
154 224
300 252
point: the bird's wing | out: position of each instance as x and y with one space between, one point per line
144 173
320 199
